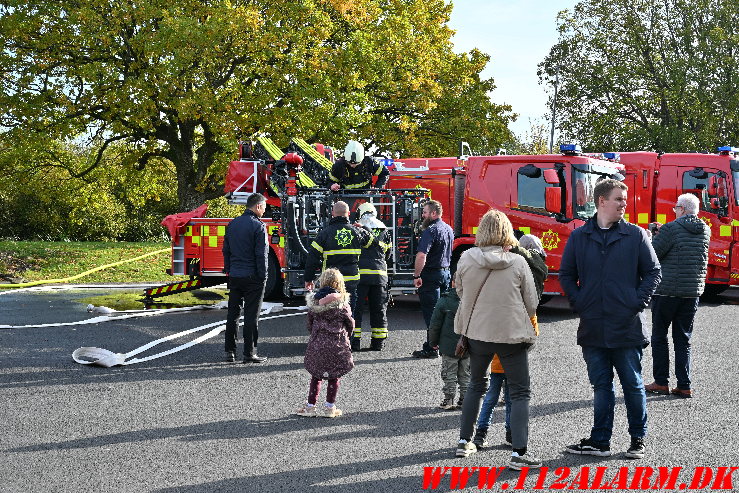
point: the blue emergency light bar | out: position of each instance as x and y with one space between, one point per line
728 149
570 149
611 155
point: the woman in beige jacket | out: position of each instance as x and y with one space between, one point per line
498 299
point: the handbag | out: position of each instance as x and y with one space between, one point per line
463 344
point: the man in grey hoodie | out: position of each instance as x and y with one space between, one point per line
682 249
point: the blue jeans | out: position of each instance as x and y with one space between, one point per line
679 312
434 282
627 362
497 382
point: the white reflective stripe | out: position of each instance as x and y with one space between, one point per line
370 271
343 252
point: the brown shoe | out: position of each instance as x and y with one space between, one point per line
653 388
685 394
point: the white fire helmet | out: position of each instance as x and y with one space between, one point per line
354 152
368 216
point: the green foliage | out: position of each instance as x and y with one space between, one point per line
43 260
180 82
647 74
44 197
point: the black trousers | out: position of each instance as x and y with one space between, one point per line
376 296
250 292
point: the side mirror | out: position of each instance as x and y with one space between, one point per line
715 204
551 177
553 199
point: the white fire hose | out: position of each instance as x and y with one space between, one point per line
103 357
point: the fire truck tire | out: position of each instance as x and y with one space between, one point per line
713 290
273 289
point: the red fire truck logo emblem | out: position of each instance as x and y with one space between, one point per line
549 240
344 237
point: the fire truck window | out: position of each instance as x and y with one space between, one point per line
531 192
709 186
735 174
584 207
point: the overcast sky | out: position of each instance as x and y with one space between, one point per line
517 35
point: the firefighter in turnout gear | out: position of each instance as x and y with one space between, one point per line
338 245
373 281
355 170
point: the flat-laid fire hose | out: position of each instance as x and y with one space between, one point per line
103 357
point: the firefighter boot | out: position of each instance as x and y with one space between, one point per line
356 344
377 344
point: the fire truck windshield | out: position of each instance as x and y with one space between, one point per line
735 174
583 186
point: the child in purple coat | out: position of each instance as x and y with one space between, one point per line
328 355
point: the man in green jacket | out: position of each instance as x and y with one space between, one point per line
682 249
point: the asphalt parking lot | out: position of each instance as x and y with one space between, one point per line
189 422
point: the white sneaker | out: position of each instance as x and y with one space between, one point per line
332 412
306 410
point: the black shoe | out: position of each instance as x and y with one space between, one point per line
588 447
427 354
254 358
356 344
377 344
480 439
230 357
636 450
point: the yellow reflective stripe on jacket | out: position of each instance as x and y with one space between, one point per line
351 278
317 246
371 271
332 177
384 245
371 239
379 170
357 185
346 251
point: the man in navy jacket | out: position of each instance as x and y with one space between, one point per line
609 271
245 253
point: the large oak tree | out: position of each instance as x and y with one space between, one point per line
184 80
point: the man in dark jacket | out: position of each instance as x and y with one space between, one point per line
245 253
682 249
609 272
338 245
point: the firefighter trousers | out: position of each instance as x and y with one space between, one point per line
376 296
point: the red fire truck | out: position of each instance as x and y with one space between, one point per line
656 180
299 205
545 195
